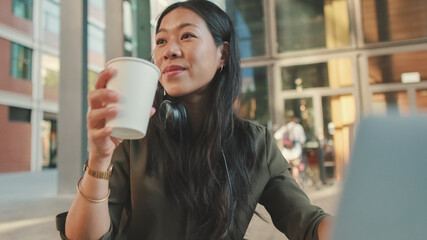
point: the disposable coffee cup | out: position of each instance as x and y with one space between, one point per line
135 80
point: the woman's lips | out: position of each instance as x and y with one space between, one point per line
173 70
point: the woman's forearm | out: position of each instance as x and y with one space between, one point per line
87 219
324 229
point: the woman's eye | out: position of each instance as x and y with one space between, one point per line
160 41
186 35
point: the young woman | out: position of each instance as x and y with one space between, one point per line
200 171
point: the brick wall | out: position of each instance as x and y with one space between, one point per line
15 144
8 18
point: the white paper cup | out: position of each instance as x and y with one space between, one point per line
135 80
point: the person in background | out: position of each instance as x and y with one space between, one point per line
292 137
199 173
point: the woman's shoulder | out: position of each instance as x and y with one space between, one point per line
253 127
258 132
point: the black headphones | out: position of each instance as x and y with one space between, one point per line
174 117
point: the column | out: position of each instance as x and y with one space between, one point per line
72 143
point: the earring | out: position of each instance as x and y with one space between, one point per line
222 67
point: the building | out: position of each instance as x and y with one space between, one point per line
29 38
329 62
29 79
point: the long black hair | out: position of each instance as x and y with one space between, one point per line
209 175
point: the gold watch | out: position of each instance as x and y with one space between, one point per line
98 174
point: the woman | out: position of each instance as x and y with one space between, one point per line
194 177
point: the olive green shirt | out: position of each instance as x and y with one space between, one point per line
139 208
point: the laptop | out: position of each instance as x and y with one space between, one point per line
384 195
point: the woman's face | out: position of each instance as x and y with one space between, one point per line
185 53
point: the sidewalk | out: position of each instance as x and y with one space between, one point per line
29 203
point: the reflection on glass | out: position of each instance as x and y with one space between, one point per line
98 3
51 13
335 73
23 8
49 142
254 104
96 39
21 61
391 103
312 24
393 20
389 68
96 45
305 76
50 76
339 114
50 71
422 101
248 19
302 108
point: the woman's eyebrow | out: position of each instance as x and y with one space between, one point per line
181 26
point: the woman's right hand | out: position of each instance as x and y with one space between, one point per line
102 144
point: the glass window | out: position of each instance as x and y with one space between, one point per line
20 63
51 16
248 19
339 115
422 101
389 68
335 73
23 9
49 141
312 24
254 104
305 76
96 41
338 112
393 20
50 70
391 103
98 3
17 114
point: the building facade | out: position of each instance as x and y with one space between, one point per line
29 79
328 62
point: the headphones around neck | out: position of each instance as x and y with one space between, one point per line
173 117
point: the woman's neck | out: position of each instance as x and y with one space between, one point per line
195 106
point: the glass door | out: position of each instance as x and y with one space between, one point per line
324 98
329 126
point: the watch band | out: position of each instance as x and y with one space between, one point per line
98 174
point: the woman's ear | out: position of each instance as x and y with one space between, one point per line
225 53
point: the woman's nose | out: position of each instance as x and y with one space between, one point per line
172 51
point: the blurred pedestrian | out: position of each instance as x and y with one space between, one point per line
292 137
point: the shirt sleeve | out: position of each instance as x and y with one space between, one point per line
117 199
289 207
119 190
